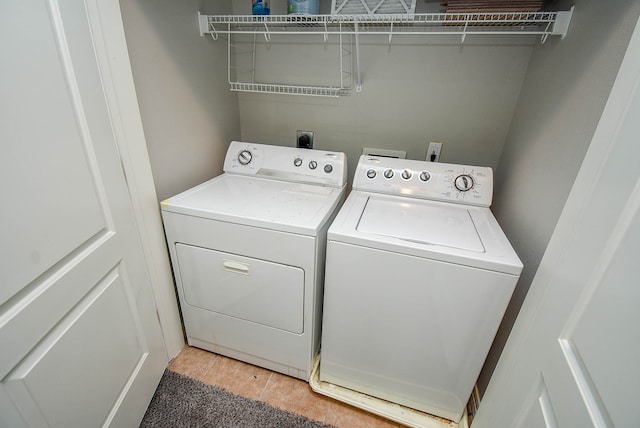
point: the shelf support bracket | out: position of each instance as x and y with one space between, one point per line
543 38
203 24
358 77
561 24
464 30
267 34
214 32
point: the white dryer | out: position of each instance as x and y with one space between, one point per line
418 277
248 249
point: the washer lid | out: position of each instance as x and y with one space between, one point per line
414 221
404 225
278 205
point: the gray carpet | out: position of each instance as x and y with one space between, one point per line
180 401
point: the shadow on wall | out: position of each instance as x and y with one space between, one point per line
189 115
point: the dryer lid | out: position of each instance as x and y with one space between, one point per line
421 222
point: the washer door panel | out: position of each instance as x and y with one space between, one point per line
250 289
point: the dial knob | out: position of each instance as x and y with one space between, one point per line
328 168
371 173
313 165
425 176
388 173
297 161
244 157
406 174
464 182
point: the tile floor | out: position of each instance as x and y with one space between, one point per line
278 390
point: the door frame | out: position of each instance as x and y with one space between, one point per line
117 78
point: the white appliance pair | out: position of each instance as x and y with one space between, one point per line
418 272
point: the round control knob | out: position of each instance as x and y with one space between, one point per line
406 174
313 165
371 173
244 157
425 176
388 173
464 182
328 168
297 161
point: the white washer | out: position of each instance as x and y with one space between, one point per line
247 250
418 277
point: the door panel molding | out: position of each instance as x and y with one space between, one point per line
588 390
60 384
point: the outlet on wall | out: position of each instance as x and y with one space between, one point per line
433 152
304 139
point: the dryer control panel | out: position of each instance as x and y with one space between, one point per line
287 163
465 184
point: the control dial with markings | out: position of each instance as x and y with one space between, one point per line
313 165
388 173
297 161
425 176
406 174
328 168
244 157
371 173
464 182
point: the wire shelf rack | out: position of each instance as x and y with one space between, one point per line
543 24
274 88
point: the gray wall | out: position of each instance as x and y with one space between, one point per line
188 113
415 90
563 95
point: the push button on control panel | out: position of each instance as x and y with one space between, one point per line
328 168
297 161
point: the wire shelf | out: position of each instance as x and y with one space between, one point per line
271 88
544 24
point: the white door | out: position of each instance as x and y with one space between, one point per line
80 341
572 359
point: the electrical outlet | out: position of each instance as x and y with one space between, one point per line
433 152
304 139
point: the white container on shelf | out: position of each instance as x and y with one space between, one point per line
303 7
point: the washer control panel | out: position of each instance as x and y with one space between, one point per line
287 163
472 185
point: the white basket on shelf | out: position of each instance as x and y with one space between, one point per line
372 7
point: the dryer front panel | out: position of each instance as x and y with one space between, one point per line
249 289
